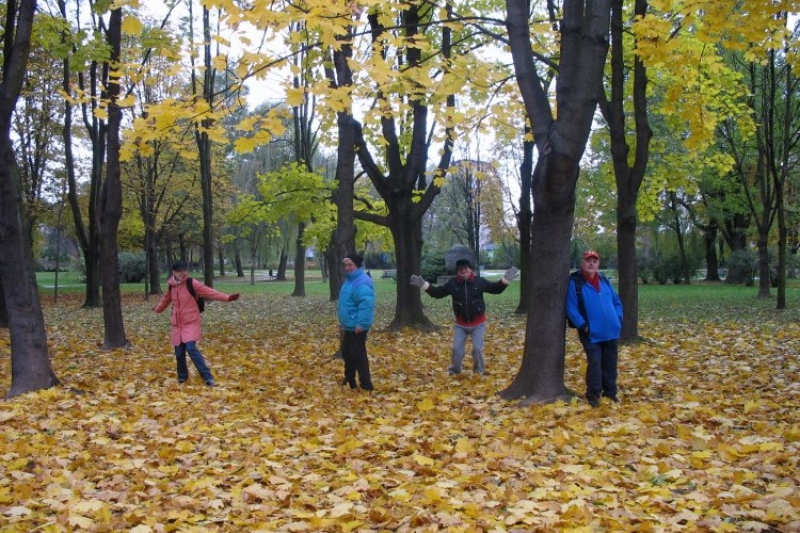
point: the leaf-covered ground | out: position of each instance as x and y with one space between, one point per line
707 437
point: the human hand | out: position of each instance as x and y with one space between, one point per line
417 281
584 329
233 297
510 274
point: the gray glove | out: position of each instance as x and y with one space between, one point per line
417 281
510 274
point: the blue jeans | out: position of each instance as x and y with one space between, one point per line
460 334
601 368
197 359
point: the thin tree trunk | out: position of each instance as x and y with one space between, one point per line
300 262
110 205
524 223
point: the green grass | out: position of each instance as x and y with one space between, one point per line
714 302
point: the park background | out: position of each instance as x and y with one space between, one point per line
700 96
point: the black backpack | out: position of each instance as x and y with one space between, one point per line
201 302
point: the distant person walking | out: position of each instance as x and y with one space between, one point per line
466 290
595 309
356 311
186 321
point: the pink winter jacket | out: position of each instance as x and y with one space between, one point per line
187 323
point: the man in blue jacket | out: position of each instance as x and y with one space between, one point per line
595 309
356 313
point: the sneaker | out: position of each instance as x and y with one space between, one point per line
211 383
594 402
453 371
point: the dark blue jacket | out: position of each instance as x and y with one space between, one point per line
603 308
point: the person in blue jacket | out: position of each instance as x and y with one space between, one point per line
594 308
356 312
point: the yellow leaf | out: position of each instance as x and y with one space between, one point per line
81 522
423 460
131 25
184 446
425 405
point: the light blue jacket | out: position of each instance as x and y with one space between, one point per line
603 309
357 301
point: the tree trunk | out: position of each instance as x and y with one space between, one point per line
238 261
282 264
4 309
734 232
628 264
221 259
541 377
628 175
110 205
408 251
334 279
153 270
300 263
524 222
30 361
763 266
712 260
562 142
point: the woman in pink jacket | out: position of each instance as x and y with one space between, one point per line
187 324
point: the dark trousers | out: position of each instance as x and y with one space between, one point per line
196 357
354 353
601 368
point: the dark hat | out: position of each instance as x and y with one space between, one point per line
591 253
179 266
357 259
463 262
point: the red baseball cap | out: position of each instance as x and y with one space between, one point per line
591 253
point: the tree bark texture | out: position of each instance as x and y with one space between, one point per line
300 262
110 205
628 175
561 142
30 361
524 223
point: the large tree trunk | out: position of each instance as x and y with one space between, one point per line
30 361
541 376
110 205
584 46
4 309
408 251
